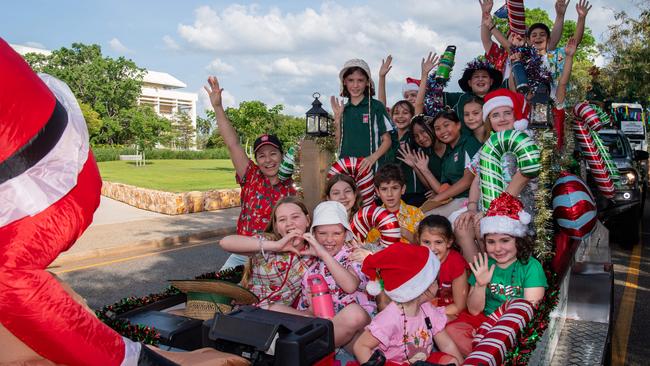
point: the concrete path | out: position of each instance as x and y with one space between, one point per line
119 228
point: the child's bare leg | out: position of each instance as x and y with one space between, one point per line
282 308
348 322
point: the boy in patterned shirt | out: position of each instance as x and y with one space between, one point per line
260 184
390 185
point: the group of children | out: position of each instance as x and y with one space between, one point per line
424 297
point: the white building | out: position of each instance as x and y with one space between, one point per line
159 90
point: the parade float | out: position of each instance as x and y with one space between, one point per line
573 318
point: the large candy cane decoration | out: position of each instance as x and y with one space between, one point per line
517 16
376 217
352 166
491 171
287 165
603 169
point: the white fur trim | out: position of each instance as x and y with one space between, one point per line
409 87
131 352
521 124
503 225
417 284
496 102
373 288
524 217
56 173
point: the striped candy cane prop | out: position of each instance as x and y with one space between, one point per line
288 164
491 171
499 333
594 151
376 217
351 166
517 16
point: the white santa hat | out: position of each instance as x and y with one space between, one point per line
507 98
506 215
403 271
411 85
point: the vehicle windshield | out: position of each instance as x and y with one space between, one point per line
614 144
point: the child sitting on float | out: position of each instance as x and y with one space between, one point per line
507 271
435 233
504 110
343 189
275 269
405 331
329 244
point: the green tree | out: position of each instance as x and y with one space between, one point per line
143 127
105 84
93 120
204 129
626 75
183 131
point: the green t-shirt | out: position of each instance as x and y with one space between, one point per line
455 159
509 283
362 129
435 162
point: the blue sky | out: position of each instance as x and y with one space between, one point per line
274 51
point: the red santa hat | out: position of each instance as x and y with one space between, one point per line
507 98
506 215
411 85
406 271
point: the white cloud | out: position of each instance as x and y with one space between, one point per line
170 43
220 67
203 104
117 46
35 45
281 56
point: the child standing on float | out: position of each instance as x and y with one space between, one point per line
405 331
362 125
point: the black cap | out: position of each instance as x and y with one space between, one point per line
266 139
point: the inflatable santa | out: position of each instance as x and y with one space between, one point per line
49 190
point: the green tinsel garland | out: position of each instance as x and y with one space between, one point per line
148 335
543 221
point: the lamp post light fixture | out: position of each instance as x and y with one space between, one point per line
318 120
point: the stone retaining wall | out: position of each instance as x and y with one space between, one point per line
171 203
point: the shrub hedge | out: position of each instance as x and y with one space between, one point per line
110 153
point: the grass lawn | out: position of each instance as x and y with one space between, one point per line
172 175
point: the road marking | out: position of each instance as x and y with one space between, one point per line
100 264
626 309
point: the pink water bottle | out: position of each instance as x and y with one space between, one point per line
321 299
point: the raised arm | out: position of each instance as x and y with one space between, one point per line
570 50
346 279
250 245
486 24
483 276
337 109
558 25
383 71
227 131
427 64
582 7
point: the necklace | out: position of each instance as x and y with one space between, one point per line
405 336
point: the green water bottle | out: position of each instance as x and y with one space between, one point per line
446 64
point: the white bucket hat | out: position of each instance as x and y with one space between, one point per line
357 62
330 213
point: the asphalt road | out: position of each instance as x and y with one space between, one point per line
109 279
634 307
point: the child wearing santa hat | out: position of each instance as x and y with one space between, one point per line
406 329
503 110
507 271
